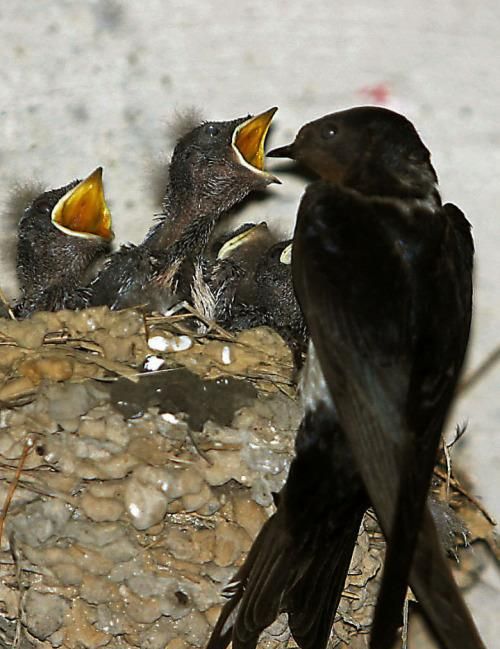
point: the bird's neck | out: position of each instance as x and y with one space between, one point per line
409 184
186 224
407 202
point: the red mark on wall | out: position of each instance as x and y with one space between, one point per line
378 94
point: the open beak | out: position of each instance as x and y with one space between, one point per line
282 152
248 143
286 255
83 212
252 235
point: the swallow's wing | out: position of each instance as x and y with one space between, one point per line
443 324
376 294
358 297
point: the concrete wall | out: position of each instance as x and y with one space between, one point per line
95 83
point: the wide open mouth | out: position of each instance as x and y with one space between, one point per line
248 142
82 211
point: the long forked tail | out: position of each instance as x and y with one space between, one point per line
436 590
313 600
241 621
304 579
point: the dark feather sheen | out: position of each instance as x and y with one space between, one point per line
383 274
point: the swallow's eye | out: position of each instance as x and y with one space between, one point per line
43 206
212 130
328 131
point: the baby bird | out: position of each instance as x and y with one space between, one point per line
60 235
251 281
213 168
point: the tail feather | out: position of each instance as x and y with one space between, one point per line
304 579
312 603
263 594
257 590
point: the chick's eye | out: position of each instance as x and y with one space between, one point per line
212 130
328 131
43 206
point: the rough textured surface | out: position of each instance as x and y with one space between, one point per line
125 527
94 83
127 522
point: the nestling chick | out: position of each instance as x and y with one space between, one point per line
213 168
251 284
59 236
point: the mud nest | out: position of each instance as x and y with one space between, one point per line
138 462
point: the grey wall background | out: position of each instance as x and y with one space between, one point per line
95 83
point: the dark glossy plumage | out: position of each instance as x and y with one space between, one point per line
213 168
383 273
52 261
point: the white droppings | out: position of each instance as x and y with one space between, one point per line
226 355
158 343
170 418
173 344
181 343
153 363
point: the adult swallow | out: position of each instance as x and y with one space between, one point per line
383 273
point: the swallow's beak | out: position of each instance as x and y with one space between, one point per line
282 152
248 143
83 212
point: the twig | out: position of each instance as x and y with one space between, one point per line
6 303
460 431
447 456
472 499
192 312
146 325
197 448
17 563
28 446
404 634
349 595
476 375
